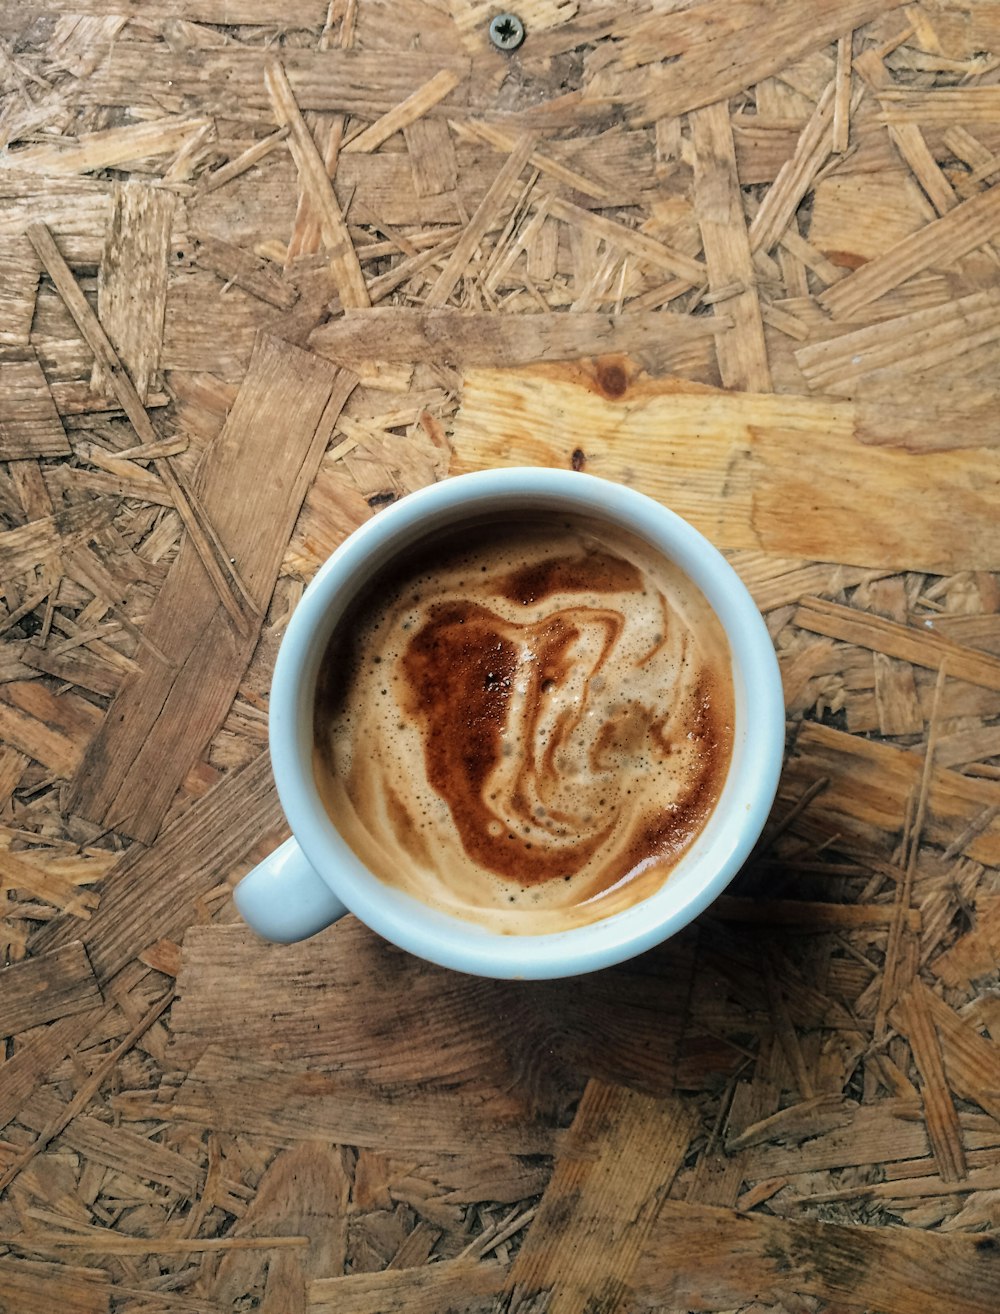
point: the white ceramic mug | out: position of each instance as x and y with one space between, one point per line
314 878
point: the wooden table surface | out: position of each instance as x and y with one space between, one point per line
268 265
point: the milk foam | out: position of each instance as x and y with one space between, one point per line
528 726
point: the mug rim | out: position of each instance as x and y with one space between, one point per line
448 939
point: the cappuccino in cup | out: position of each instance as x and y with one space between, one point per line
526 721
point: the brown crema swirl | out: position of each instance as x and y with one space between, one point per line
528 724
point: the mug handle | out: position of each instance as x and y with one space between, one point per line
284 899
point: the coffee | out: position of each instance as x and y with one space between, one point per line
526 723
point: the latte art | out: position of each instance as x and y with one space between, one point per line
529 726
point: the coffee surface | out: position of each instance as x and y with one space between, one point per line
526 725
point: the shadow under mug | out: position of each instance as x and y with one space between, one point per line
314 878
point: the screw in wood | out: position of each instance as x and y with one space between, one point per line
506 31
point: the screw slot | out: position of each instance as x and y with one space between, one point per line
506 31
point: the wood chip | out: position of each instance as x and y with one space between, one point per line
35 1285
713 59
38 732
842 96
924 340
314 181
46 987
944 105
132 283
29 422
462 338
621 1146
940 244
408 111
480 223
628 239
507 141
796 175
737 464
971 1062
234 265
108 148
799 1122
896 698
17 292
454 1284
304 1192
247 159
914 149
921 647
432 157
367 83
893 1269
911 1018
891 1132
719 205
104 1241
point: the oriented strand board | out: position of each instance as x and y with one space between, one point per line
716 53
163 717
762 234
149 893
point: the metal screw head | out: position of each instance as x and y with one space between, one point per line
506 31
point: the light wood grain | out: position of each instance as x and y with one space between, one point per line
735 464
